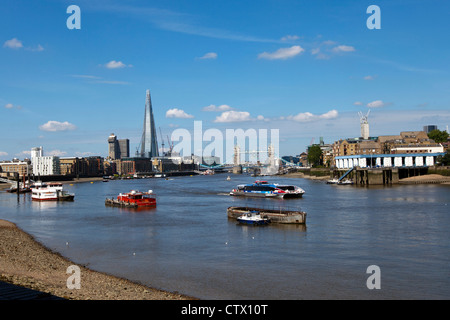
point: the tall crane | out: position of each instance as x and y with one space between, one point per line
162 140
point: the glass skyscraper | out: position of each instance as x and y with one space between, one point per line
149 144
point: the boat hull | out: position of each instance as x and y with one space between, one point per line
126 204
253 222
275 216
44 199
266 195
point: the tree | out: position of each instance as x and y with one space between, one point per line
444 160
438 136
315 155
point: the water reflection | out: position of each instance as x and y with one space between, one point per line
188 244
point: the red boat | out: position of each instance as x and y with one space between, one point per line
137 198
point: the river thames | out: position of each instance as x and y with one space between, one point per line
187 244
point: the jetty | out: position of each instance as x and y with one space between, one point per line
281 216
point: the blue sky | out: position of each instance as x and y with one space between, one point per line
303 67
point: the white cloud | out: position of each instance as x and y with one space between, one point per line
329 42
357 103
177 113
332 114
290 38
56 153
376 104
39 48
84 76
315 51
3 154
11 106
233 116
319 55
214 108
209 55
262 118
308 116
282 53
14 43
24 153
369 77
343 48
111 82
54 126
113 64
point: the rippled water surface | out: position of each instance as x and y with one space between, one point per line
187 243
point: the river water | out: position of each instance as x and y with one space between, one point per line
187 243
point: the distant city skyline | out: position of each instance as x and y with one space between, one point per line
303 67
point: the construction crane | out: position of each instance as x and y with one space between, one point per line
170 144
162 140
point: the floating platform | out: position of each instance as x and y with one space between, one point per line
275 215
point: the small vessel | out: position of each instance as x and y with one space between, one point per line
133 199
21 190
253 218
333 181
278 216
346 181
52 191
267 190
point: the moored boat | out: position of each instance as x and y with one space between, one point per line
333 181
253 218
267 190
21 190
52 191
133 199
276 216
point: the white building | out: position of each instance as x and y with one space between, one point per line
44 166
37 152
388 160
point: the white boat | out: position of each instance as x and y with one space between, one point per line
267 190
253 218
345 182
50 192
333 181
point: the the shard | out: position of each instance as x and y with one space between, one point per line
149 144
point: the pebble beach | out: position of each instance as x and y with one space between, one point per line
27 263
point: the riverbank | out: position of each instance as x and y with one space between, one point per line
306 176
426 179
26 262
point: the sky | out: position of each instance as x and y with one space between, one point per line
305 68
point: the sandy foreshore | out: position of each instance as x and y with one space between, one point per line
424 179
26 262
428 178
305 176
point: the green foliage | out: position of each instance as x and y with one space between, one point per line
444 160
438 135
315 156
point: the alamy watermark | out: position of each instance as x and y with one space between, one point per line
74 20
74 280
232 146
374 280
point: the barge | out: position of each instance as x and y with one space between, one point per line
275 215
133 199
